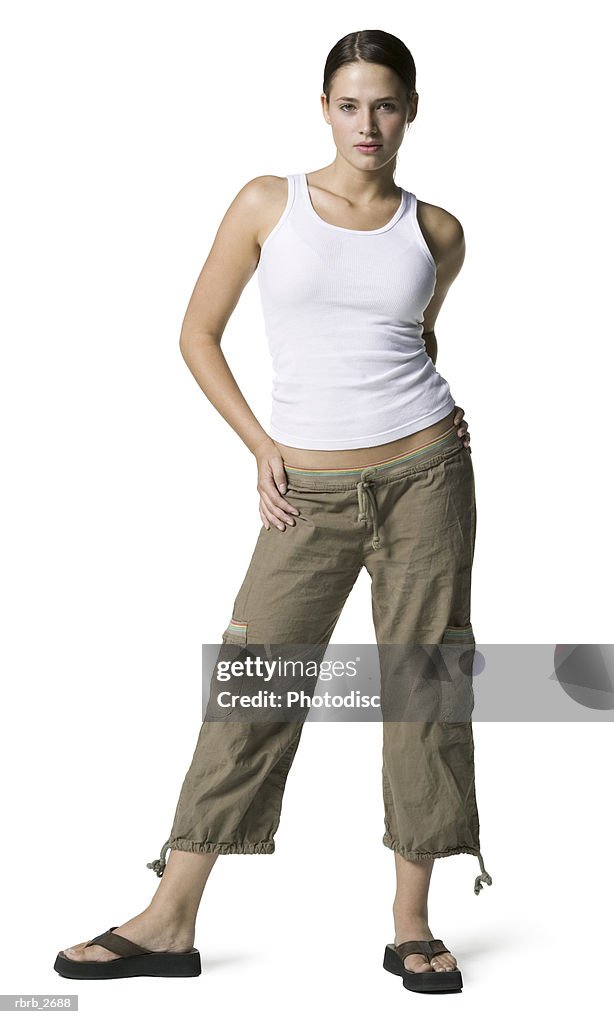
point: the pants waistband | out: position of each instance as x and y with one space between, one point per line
389 469
365 480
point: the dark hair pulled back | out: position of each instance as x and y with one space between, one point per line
376 47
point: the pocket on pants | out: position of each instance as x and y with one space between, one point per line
458 649
234 644
459 635
235 632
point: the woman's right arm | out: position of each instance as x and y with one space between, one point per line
231 263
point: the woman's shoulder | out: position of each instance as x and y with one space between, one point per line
264 200
266 187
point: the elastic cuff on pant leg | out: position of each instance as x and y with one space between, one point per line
393 844
190 846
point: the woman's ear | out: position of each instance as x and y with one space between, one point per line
324 107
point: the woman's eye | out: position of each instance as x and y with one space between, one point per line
344 106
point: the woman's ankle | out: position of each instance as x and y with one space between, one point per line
407 921
172 914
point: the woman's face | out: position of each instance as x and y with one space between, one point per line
368 104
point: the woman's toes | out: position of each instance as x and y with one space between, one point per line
73 952
444 962
84 952
417 962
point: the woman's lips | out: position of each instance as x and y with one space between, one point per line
369 149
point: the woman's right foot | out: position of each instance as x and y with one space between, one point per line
418 928
149 929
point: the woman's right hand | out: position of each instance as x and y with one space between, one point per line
274 509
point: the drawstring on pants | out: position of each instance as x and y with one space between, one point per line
483 877
367 496
159 865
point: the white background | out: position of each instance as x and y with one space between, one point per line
130 508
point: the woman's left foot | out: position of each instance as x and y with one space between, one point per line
418 928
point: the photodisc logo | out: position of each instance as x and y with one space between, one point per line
586 673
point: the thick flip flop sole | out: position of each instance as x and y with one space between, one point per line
149 965
422 981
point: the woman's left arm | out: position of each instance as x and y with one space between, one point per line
444 235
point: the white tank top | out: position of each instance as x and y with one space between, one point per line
343 312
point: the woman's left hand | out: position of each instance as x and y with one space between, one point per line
461 425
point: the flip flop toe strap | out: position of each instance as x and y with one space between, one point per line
117 943
427 947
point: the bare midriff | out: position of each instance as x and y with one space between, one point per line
358 458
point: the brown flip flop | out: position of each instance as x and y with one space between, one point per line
133 961
421 981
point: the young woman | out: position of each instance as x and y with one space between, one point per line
353 271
